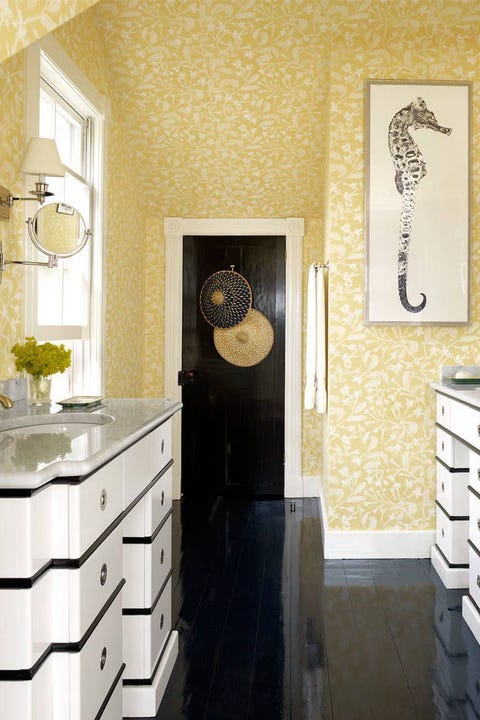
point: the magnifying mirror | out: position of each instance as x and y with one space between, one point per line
58 230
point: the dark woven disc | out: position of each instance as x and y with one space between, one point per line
225 299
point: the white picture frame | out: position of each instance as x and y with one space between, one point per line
417 193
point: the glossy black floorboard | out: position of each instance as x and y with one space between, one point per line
269 630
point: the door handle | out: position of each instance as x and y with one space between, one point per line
187 377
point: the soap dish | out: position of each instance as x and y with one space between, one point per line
81 401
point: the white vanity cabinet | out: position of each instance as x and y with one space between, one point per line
450 552
85 588
456 554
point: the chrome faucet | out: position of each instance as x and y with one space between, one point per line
6 402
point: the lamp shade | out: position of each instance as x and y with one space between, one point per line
42 158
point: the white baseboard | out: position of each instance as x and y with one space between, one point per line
340 544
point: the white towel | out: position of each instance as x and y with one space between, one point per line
315 362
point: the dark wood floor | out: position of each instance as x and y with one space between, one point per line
269 630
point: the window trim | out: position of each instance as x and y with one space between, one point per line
51 50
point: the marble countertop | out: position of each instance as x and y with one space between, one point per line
469 394
32 454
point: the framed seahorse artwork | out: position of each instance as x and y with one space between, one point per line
418 185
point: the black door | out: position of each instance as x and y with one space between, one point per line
233 417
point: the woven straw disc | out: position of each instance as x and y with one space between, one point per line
225 299
245 344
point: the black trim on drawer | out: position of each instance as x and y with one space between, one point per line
473 491
29 673
75 563
110 692
148 611
451 517
149 681
450 469
473 546
149 539
451 565
476 606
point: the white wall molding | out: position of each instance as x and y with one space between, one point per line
293 229
383 544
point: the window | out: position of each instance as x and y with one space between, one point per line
64 304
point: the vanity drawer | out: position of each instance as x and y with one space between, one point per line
93 670
33 530
151 509
474 575
465 422
145 568
474 528
452 492
93 583
26 629
93 505
451 538
451 451
144 637
474 475
145 459
443 410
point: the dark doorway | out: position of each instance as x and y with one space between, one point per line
233 417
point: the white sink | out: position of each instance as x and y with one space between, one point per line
59 422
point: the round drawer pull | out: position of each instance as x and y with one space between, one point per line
162 557
103 574
443 411
443 446
443 532
103 499
478 523
162 620
478 473
478 430
103 658
163 446
478 580
163 495
443 487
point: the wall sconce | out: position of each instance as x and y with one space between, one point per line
41 158
57 230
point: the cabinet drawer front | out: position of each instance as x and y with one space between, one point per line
451 537
451 451
149 512
443 410
94 668
144 637
93 584
145 568
452 491
474 475
145 459
33 530
465 422
474 587
474 529
93 505
26 624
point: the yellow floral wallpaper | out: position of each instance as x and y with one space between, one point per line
23 21
256 108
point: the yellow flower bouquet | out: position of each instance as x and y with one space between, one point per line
41 360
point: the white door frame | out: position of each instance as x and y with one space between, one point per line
293 230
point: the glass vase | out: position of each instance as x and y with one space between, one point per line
39 390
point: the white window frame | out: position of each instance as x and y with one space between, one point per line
67 74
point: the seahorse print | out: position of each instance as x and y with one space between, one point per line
410 168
